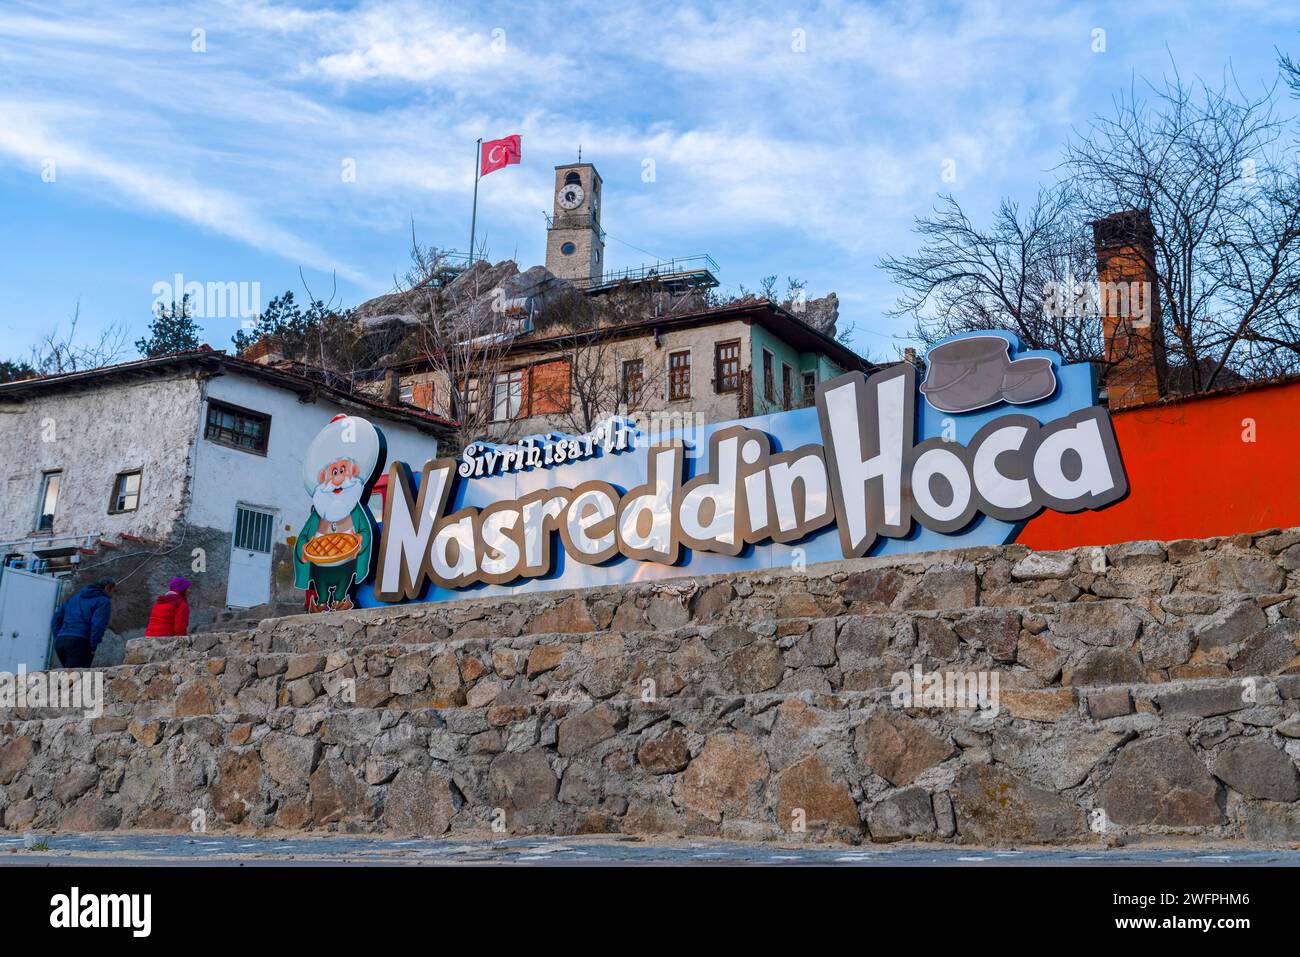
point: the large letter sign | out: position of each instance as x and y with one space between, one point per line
882 463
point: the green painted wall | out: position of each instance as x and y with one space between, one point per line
761 339
781 352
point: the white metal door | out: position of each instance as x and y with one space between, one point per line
27 604
250 558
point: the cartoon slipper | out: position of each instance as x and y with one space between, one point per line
966 374
1028 380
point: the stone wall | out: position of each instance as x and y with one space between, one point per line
1147 690
143 571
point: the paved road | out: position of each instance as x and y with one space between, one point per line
244 851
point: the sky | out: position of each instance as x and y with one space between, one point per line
296 145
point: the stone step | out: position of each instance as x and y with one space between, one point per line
830 656
1178 619
1178 576
1108 621
1050 766
1074 644
241 619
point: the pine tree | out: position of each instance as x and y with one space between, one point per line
11 370
173 330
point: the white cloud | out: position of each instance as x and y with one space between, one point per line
804 160
24 136
410 44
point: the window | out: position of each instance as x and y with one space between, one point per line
468 396
571 178
809 387
787 386
48 500
568 249
126 492
633 382
548 387
679 375
769 376
406 393
236 427
254 530
726 372
422 395
507 395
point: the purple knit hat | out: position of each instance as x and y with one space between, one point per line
178 584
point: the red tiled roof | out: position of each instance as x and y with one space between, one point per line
206 355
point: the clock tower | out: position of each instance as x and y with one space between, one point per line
575 243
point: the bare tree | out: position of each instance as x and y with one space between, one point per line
966 278
1207 165
464 332
1223 197
593 356
56 353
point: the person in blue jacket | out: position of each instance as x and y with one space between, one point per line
80 623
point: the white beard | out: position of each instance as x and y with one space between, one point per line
335 508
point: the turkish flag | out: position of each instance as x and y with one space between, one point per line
500 153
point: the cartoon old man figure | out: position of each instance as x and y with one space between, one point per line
334 552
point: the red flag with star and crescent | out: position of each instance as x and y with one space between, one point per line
498 154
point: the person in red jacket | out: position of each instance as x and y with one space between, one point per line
170 615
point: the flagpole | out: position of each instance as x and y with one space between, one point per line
473 222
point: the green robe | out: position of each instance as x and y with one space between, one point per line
304 572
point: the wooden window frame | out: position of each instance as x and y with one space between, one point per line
469 390
769 375
42 494
722 382
241 412
681 375
509 375
113 508
631 401
809 379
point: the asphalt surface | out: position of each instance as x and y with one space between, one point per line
249 851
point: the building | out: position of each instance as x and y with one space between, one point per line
575 243
186 464
677 359
709 366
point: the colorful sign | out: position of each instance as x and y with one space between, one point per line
881 464
334 553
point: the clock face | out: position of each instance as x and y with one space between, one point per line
570 196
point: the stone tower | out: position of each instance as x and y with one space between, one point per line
575 243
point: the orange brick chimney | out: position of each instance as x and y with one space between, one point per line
1129 301
265 351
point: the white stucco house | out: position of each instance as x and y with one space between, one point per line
188 464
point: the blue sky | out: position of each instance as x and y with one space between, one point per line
227 164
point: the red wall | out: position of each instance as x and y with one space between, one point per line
1190 475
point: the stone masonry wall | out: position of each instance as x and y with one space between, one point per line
1147 690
